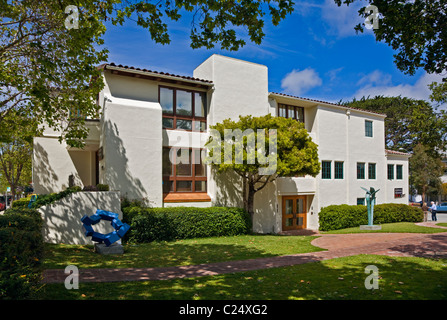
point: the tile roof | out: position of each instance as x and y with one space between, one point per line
106 66
325 102
397 152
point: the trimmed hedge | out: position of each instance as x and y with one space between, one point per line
336 217
21 203
21 251
167 224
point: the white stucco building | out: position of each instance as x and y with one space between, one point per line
145 113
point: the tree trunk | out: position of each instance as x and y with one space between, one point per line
250 201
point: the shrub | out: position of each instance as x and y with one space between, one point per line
46 199
102 187
21 203
336 217
21 251
166 224
90 188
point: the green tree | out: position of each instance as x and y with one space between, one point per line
48 68
409 122
425 171
232 147
16 151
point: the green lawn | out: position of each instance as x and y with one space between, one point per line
181 252
399 227
400 278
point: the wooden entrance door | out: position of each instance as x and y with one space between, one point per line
294 212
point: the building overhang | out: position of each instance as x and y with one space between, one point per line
157 76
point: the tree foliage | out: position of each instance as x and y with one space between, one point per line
16 151
415 29
50 72
409 122
296 153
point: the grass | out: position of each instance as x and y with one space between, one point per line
400 278
178 253
398 227
442 224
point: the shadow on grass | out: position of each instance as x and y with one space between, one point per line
178 253
340 279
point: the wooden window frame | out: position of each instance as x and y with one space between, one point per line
295 112
193 118
193 178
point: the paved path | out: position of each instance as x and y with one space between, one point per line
337 245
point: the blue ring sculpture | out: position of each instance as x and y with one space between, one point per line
109 238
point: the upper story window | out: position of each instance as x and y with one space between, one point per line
326 169
338 170
183 109
371 171
390 172
292 112
360 170
368 128
399 172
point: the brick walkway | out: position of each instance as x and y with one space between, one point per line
337 245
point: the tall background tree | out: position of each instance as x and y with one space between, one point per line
296 153
49 70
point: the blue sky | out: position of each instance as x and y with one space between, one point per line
314 53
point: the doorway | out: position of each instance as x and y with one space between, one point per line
294 213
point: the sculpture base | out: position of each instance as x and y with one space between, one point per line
368 227
114 248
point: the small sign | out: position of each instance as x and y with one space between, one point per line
8 189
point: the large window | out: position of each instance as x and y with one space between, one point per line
325 169
368 128
183 109
183 170
292 112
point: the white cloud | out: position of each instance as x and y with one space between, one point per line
333 74
339 20
377 83
298 82
376 77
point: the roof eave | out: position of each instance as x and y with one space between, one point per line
318 102
158 75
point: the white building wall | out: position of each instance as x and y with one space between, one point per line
132 138
132 148
240 87
397 183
